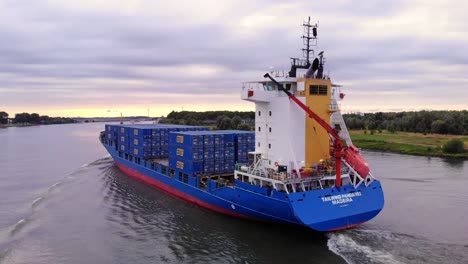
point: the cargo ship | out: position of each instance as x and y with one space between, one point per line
299 167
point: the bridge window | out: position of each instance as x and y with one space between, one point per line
269 87
269 129
270 113
318 90
259 129
259 113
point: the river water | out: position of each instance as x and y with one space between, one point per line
63 201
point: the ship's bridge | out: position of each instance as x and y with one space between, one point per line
264 91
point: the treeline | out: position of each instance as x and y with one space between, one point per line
34 119
223 120
437 122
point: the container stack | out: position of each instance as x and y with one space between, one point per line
123 139
245 144
146 141
219 153
209 152
141 139
229 152
111 133
186 152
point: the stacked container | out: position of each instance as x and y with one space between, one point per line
190 149
146 141
215 152
229 152
186 152
111 132
123 139
208 153
244 143
140 139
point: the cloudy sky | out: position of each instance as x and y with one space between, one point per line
106 57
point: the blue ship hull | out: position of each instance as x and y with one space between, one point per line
322 210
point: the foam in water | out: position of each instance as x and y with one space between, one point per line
53 186
4 254
36 201
17 227
352 252
383 246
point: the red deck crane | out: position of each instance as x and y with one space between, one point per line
350 154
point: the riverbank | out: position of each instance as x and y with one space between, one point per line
29 124
17 125
407 143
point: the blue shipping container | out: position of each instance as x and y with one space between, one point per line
229 152
219 139
141 132
195 154
219 166
141 142
186 139
188 167
123 148
141 152
208 140
121 139
219 153
229 167
208 153
208 167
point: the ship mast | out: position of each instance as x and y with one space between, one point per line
309 39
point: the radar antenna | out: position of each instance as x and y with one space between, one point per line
309 39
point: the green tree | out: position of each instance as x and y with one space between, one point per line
439 127
225 123
454 146
219 120
191 122
45 119
34 118
3 117
236 121
22 118
244 127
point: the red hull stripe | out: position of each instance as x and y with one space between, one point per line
344 227
173 191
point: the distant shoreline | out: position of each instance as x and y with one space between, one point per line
83 120
18 125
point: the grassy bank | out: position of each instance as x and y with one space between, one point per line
407 143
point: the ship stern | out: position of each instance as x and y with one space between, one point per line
337 208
